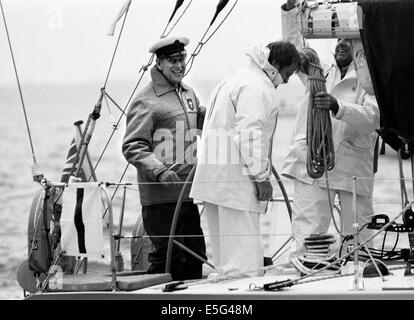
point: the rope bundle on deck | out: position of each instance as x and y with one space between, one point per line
321 154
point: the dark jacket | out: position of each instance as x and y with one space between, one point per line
161 132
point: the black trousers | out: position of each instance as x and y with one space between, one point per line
157 222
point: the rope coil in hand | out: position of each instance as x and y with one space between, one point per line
321 153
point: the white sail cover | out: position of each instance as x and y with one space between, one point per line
81 220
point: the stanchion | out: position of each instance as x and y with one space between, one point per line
111 239
358 283
118 255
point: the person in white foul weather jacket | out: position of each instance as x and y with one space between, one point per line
234 160
355 116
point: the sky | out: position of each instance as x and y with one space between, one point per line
66 41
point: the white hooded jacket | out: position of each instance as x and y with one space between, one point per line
237 137
353 126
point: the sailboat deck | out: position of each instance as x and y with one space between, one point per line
395 286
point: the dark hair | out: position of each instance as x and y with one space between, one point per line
283 54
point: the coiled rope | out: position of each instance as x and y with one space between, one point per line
321 150
320 154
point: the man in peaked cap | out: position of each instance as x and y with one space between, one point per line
160 142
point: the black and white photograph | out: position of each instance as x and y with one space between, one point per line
206 155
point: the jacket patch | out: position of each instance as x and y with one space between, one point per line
190 104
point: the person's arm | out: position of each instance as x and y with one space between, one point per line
250 118
363 118
201 114
137 143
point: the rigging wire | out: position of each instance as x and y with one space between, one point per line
115 104
178 4
396 242
96 112
18 83
141 71
320 278
116 46
111 119
280 284
110 70
403 188
200 44
383 243
166 34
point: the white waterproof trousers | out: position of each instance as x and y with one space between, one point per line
234 236
311 212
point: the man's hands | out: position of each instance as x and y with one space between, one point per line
264 190
169 178
326 101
